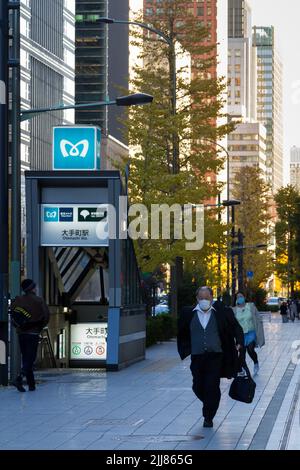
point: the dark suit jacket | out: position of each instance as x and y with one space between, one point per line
230 333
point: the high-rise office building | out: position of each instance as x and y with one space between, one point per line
102 61
269 100
239 19
91 57
295 167
241 62
247 147
47 74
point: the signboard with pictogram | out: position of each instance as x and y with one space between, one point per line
88 341
74 225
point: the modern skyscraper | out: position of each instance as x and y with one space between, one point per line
269 100
295 167
47 74
241 62
91 61
239 19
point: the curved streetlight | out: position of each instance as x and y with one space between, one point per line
128 100
160 33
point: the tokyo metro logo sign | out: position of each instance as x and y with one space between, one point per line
76 148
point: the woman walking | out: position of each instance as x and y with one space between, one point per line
248 317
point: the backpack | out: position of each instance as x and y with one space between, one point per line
20 317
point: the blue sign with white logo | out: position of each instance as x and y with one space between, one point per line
250 274
66 214
76 148
51 214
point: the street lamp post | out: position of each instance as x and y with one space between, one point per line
3 191
232 203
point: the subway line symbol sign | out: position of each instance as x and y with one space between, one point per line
76 148
91 214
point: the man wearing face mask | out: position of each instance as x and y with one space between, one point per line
212 336
248 317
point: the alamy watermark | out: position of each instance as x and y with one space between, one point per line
157 222
296 352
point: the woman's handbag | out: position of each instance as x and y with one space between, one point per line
243 387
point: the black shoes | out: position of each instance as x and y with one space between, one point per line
208 423
18 384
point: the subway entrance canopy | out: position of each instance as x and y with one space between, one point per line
85 268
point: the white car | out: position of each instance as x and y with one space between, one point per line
161 308
273 302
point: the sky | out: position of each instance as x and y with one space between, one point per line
284 16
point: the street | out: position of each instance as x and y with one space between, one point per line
150 405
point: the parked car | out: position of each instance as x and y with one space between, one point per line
161 308
273 303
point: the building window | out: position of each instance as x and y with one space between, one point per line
25 59
238 81
25 27
25 90
69 5
69 30
25 153
69 58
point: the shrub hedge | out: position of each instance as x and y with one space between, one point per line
160 328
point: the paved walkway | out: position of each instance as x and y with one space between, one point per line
151 406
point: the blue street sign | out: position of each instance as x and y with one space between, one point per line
250 274
76 148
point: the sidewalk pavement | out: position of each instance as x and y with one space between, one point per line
150 405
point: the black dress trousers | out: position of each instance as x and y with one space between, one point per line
206 371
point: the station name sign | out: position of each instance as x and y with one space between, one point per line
74 225
88 341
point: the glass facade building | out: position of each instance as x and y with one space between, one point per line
239 19
269 101
91 58
47 74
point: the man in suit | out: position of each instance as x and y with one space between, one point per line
213 337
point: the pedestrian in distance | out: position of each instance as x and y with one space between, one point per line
249 318
30 314
210 334
298 308
284 312
293 310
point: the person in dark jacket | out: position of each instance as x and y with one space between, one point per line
212 336
284 312
36 311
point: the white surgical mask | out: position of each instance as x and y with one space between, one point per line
204 304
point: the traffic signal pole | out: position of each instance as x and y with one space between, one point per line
3 192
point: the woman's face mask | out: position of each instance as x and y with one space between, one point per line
240 301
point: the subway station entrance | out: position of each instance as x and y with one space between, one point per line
89 279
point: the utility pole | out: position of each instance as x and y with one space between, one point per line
15 264
233 269
3 192
241 260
